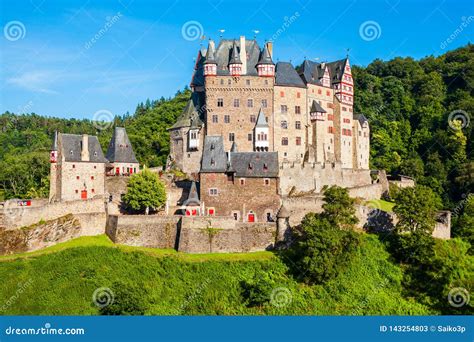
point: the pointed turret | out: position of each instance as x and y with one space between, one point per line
120 154
210 64
265 65
265 57
54 149
261 133
234 147
235 64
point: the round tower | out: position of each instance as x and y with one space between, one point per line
283 225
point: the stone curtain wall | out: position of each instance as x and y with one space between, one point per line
191 235
40 235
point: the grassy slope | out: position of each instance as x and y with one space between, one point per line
381 204
63 278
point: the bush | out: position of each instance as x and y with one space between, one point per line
128 300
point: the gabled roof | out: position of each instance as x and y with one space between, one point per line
361 118
71 148
193 196
265 57
261 119
316 107
311 72
336 70
120 149
213 155
255 164
210 57
286 75
191 116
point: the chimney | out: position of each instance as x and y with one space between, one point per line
270 49
85 148
243 55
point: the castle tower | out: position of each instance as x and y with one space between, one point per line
265 65
283 225
210 64
317 116
235 64
53 159
261 133
122 160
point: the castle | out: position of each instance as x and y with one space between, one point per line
267 130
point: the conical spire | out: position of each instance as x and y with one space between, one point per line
316 107
234 147
265 57
54 147
261 119
120 149
235 57
210 54
193 197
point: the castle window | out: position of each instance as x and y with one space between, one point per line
222 82
215 119
360 133
236 103
71 152
247 82
297 110
253 118
95 167
77 191
298 124
298 95
227 118
328 93
265 167
92 177
284 124
284 109
230 177
344 109
231 136
284 141
213 192
77 177
266 82
331 117
93 190
250 103
331 129
250 166
298 141
350 109
194 135
229 82
249 137
73 166
266 181
282 94
242 181
320 91
220 102
264 103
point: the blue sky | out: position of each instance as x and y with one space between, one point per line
74 58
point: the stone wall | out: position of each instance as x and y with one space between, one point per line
40 235
144 230
91 214
311 177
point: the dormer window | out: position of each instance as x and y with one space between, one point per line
71 152
95 154
265 167
250 166
212 147
213 162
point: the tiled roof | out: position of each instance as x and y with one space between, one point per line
71 145
361 117
120 149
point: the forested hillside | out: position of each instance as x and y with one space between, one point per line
412 107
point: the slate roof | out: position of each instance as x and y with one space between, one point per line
361 118
316 107
286 75
213 155
261 119
193 196
210 54
222 56
120 148
336 70
54 146
310 72
235 55
191 115
265 57
255 164
71 145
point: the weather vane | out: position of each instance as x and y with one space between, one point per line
222 32
255 33
347 51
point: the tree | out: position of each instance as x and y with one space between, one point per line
416 210
145 191
465 225
339 208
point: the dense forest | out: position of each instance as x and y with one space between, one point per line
419 113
